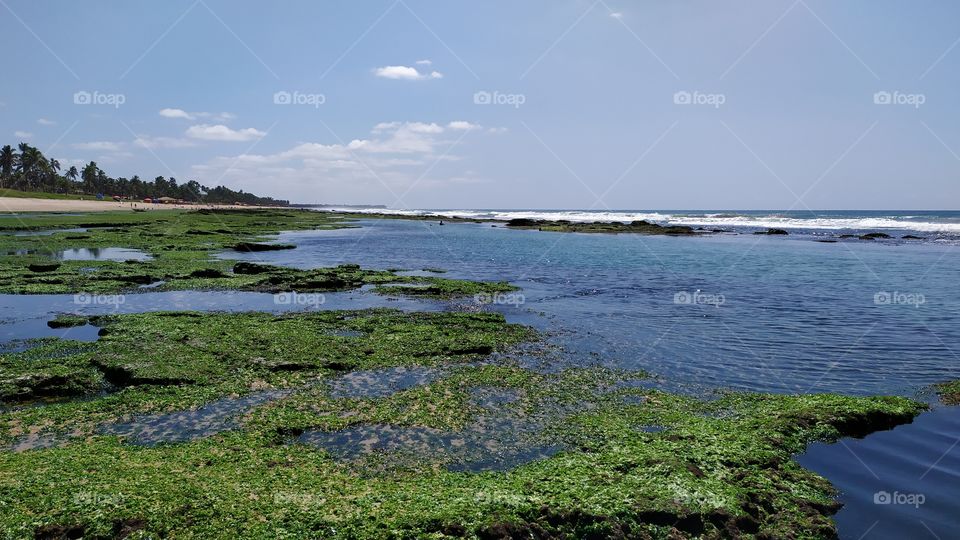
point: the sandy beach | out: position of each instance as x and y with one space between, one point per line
14 204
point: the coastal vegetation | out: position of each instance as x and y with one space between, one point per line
26 169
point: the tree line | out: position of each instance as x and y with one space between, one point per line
27 169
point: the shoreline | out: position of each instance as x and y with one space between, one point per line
17 204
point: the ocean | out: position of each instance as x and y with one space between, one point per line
936 222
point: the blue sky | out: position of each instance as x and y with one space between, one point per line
539 104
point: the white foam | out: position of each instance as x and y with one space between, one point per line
712 220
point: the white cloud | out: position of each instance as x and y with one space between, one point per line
407 73
420 127
395 153
616 15
180 113
462 125
101 146
146 141
220 132
176 113
23 134
46 122
424 62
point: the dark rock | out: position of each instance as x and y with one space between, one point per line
911 237
207 273
43 267
251 268
874 236
522 222
472 349
780 232
254 247
124 528
125 376
139 279
35 385
58 532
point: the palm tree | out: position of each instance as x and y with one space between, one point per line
7 160
72 173
24 148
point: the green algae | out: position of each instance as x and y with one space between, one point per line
714 468
949 392
182 246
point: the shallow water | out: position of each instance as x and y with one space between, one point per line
102 254
754 313
901 483
49 232
215 417
166 428
26 316
382 382
499 439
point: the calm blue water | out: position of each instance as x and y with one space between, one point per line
779 314
772 313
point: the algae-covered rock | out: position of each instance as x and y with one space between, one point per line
255 247
68 321
43 267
